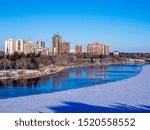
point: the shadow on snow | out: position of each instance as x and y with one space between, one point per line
73 107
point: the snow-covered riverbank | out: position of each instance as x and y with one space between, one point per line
48 70
27 74
132 93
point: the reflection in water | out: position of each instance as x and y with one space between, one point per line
93 72
56 83
67 79
98 72
21 82
78 73
56 78
36 82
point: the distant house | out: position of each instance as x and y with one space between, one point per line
72 51
116 53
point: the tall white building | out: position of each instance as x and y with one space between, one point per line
9 46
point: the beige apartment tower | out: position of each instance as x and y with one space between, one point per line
27 47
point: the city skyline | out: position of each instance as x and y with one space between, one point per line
124 25
58 47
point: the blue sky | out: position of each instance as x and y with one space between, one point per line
122 24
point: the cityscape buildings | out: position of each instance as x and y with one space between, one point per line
39 47
78 49
40 44
56 40
58 47
97 48
27 47
116 53
19 46
64 48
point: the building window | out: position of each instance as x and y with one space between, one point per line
19 45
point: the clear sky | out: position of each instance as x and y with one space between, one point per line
122 24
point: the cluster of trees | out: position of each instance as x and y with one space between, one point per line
32 61
21 61
36 61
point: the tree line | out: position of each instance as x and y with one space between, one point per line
36 61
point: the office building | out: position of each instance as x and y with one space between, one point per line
64 48
40 44
56 39
39 47
60 47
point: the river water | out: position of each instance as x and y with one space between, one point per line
68 79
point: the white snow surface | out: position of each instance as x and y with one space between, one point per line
133 91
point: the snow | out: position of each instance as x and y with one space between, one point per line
16 71
134 91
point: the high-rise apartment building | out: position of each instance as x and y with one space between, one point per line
60 47
97 48
106 50
40 44
78 49
56 39
20 46
10 46
39 47
27 47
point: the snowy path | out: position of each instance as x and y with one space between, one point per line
134 91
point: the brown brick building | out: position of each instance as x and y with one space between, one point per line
56 39
106 49
78 49
97 48
64 48
60 47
